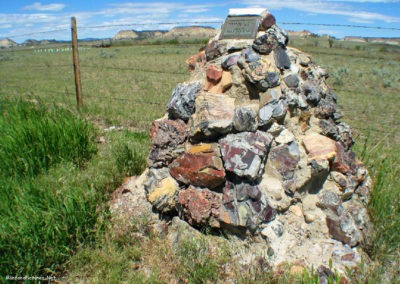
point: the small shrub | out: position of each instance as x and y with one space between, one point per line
383 49
331 41
196 263
387 84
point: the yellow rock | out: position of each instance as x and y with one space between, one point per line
166 188
201 148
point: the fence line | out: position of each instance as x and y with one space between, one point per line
187 23
133 101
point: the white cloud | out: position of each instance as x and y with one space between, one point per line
332 7
37 6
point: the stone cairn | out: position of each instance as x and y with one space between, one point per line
253 145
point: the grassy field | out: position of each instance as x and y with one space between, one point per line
129 86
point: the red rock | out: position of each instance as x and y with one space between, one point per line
214 74
345 161
223 84
200 206
199 168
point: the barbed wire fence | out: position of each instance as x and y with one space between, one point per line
109 98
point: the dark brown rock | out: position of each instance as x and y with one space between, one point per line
326 108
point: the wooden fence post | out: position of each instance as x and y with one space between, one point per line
75 58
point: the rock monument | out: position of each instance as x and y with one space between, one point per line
253 145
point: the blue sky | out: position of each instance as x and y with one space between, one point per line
20 18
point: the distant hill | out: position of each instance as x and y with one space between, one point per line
191 32
303 33
178 32
7 43
373 39
126 35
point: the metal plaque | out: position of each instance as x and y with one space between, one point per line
240 27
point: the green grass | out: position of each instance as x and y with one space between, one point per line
53 185
34 138
129 86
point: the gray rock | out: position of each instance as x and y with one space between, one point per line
345 135
281 58
273 230
272 78
326 108
245 119
230 61
250 55
292 80
272 111
302 101
280 34
330 200
265 113
244 153
312 91
182 103
167 137
266 43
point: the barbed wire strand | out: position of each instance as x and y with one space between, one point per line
196 23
